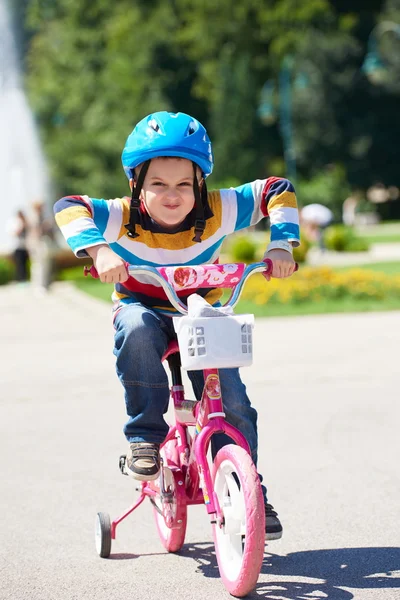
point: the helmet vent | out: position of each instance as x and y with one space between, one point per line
154 125
192 128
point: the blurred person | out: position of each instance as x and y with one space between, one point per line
378 194
18 228
171 219
349 209
41 242
314 219
393 192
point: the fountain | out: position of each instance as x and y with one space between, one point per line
23 173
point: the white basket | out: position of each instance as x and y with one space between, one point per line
215 342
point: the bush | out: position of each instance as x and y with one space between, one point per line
300 253
338 237
328 187
243 249
343 239
7 271
64 258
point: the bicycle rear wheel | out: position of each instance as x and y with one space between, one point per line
170 513
239 541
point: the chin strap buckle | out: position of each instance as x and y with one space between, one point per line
131 234
199 226
135 203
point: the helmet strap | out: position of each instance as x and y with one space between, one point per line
199 223
135 201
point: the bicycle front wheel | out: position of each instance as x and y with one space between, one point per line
239 540
170 512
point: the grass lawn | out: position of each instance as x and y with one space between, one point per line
90 286
103 291
389 268
95 288
377 238
383 233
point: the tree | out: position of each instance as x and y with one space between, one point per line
94 68
91 77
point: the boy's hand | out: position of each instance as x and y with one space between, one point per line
110 267
283 263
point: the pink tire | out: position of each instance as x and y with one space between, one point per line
239 542
171 524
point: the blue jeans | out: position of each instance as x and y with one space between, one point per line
141 338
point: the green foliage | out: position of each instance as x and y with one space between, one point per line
300 253
94 68
93 287
329 187
65 260
357 245
338 237
89 84
221 184
310 291
243 249
7 271
233 114
320 284
343 239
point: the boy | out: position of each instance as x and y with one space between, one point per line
171 219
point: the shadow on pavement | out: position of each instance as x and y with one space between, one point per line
129 556
123 556
204 555
357 568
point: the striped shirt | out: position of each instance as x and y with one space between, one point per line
87 222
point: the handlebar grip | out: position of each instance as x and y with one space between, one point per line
90 271
93 271
270 266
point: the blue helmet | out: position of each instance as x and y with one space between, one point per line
168 134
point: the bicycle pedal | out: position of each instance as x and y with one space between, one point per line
121 464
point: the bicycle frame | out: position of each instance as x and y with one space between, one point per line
230 487
206 416
209 419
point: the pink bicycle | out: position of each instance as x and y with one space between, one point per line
229 487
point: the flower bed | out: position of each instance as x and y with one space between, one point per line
323 283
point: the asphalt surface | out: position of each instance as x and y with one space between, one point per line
327 392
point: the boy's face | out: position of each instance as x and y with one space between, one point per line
167 190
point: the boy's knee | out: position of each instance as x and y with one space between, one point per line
140 328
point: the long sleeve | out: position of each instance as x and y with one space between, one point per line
281 205
274 198
74 216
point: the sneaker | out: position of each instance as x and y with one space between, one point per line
143 461
273 527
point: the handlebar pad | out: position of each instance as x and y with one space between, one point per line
199 276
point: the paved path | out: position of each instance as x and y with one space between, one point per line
377 253
327 392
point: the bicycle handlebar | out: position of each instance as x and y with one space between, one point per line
173 279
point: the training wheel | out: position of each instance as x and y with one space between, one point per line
103 534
